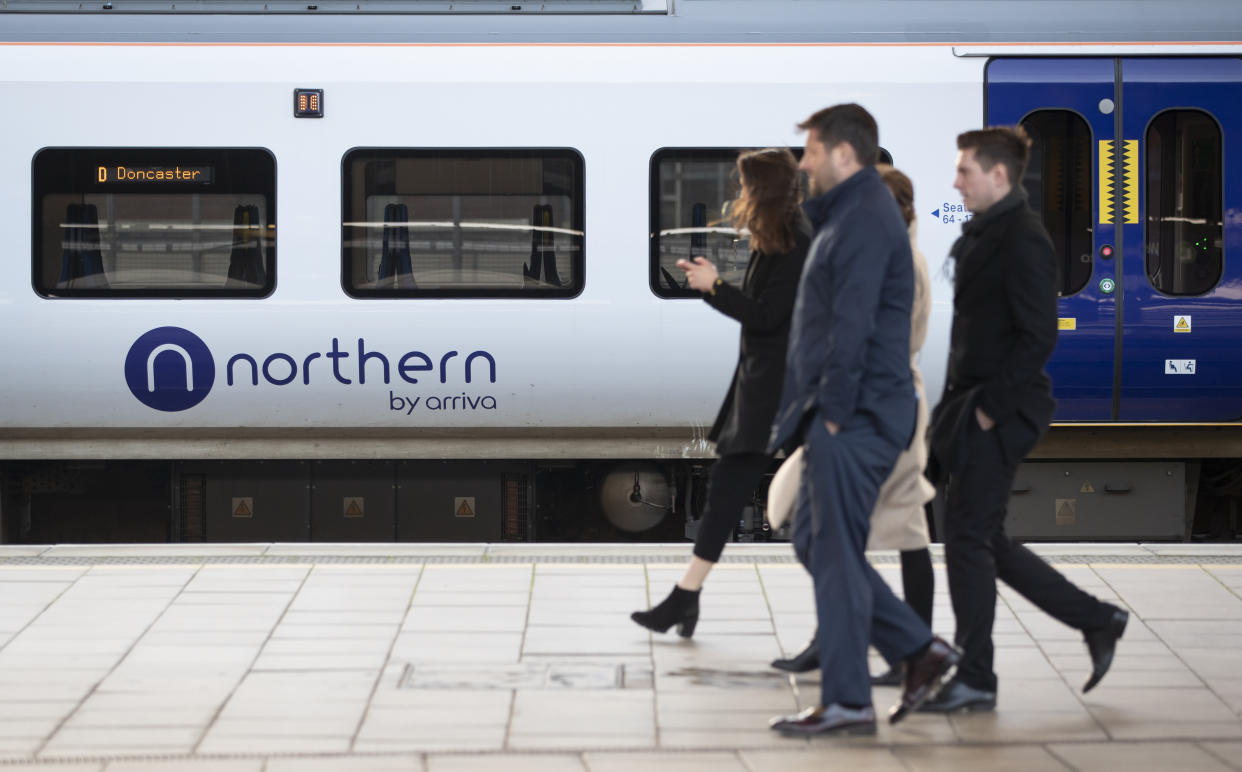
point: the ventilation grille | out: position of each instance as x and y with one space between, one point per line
515 507
193 508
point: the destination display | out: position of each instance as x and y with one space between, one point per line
203 175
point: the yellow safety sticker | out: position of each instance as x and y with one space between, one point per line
1066 511
1067 323
464 506
1181 324
354 506
243 507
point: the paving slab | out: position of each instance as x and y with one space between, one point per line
443 657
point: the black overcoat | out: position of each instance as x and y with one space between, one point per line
1004 330
763 304
849 346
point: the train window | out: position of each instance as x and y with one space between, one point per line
691 190
157 222
1184 231
1058 181
462 223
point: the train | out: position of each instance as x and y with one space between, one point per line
405 270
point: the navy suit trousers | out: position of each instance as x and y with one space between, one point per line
840 484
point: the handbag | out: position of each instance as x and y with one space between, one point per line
783 491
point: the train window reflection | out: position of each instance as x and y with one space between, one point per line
462 223
1058 181
1184 232
154 222
691 191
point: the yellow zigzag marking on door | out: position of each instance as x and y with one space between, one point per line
1130 181
1106 181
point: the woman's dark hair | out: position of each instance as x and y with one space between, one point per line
769 205
901 188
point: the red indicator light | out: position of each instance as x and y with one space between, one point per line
1106 251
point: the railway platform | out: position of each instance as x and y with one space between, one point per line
290 657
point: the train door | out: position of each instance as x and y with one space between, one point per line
1128 170
1067 107
1182 236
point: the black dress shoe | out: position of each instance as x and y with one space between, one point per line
802 662
925 676
957 696
1102 644
891 677
680 608
832 720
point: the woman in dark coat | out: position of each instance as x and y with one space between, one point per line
770 209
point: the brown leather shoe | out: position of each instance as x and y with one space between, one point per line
925 676
832 720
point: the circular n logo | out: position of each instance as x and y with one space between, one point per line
169 369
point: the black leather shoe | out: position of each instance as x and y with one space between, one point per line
680 608
957 696
1102 644
891 677
802 662
832 720
925 676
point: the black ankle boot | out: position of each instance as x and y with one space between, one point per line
680 608
802 662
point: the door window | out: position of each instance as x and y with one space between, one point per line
1058 181
1184 234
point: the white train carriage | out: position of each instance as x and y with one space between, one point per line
403 270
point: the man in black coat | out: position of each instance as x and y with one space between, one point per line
996 405
849 399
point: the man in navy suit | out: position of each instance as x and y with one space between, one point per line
849 399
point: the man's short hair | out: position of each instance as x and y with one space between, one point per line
1008 145
846 123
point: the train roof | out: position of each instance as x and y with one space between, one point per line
620 21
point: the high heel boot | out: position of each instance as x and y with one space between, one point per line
680 608
802 662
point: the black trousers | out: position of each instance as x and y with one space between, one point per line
730 486
977 553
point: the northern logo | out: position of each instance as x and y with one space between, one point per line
170 369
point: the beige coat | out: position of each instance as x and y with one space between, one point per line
898 522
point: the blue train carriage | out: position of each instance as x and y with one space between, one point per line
306 329
1136 173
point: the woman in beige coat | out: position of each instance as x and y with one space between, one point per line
899 520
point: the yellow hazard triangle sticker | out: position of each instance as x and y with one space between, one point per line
1086 488
464 510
